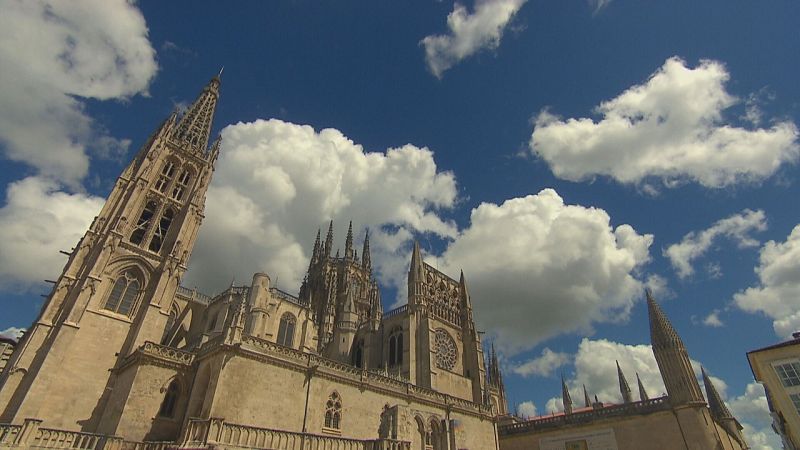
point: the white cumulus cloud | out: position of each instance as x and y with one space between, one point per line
54 53
277 182
537 267
543 365
671 128
752 411
36 222
737 228
469 32
526 409
777 293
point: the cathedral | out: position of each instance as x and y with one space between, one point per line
123 356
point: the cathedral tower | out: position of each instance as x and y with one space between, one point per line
672 358
115 291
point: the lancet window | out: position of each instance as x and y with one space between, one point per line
396 347
123 294
144 222
333 412
181 185
286 330
165 176
161 230
358 354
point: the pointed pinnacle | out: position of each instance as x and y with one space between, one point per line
586 399
624 388
642 393
715 403
565 397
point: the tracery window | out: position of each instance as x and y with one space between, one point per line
333 412
144 222
446 352
123 295
166 174
286 330
167 408
161 230
181 184
396 347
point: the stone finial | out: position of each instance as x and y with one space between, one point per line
642 393
348 245
565 397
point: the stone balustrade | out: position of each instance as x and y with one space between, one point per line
582 417
216 432
8 434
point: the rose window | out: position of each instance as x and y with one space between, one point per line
445 350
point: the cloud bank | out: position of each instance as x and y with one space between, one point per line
672 128
537 267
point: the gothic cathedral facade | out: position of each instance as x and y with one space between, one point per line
121 349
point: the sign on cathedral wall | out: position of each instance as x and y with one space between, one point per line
593 440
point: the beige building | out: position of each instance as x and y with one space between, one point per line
679 420
6 349
777 367
121 352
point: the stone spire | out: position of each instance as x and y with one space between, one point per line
624 388
718 409
642 393
366 258
494 369
672 358
194 128
315 254
348 245
586 400
329 241
566 399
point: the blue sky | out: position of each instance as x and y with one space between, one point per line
565 154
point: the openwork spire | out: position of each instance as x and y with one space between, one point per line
662 334
565 396
329 240
194 128
624 388
348 244
718 409
642 393
672 358
366 258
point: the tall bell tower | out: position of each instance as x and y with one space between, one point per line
117 287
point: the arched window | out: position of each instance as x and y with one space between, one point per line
167 408
161 230
333 412
123 294
166 174
181 184
143 223
286 330
396 347
435 436
358 354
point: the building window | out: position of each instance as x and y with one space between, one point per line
181 184
333 412
123 294
166 174
396 348
796 402
446 351
286 330
161 230
143 223
789 374
167 408
358 354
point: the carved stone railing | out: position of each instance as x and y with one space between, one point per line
51 438
193 294
9 433
283 295
214 431
396 311
170 353
582 417
130 445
